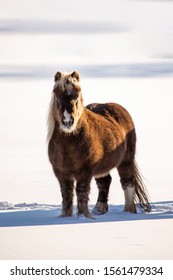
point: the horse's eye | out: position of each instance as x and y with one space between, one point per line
57 101
57 98
75 95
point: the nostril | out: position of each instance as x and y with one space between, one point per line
71 120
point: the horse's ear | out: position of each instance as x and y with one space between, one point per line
75 75
58 76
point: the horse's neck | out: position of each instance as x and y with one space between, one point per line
86 119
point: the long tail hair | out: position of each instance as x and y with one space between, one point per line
141 194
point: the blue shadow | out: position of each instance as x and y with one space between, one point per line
38 217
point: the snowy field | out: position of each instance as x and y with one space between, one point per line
123 51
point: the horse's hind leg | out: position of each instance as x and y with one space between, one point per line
103 185
126 172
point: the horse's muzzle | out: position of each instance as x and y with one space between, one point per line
68 122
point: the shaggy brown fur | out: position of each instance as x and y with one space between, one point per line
86 142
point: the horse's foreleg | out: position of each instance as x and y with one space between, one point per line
103 185
67 187
82 192
126 172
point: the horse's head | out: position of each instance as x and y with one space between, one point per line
68 102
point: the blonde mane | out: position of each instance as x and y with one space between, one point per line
50 119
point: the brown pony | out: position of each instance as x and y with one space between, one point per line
87 142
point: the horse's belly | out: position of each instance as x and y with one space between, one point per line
110 160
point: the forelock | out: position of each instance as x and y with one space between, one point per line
65 81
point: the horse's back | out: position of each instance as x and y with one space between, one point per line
113 112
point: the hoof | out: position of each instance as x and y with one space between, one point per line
129 209
87 216
100 208
65 214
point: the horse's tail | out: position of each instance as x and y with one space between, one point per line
141 194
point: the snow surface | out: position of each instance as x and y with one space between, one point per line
123 52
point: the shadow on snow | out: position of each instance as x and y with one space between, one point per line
44 214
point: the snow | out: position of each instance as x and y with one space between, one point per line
121 57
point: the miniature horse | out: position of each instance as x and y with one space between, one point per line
87 142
